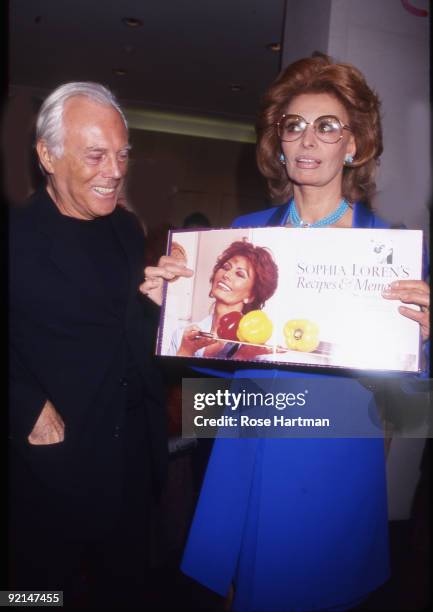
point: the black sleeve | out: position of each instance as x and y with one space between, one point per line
26 399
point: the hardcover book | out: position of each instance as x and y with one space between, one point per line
302 296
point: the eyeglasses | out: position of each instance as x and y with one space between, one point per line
327 128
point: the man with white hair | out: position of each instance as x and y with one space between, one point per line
87 424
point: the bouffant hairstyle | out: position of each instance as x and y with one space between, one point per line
266 271
318 74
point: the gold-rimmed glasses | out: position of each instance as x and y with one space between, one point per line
327 128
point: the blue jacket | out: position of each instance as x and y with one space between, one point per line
295 524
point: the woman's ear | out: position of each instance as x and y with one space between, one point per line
351 146
45 156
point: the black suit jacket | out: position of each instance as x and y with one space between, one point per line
68 344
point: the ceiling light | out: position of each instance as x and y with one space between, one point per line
132 22
120 71
274 46
236 87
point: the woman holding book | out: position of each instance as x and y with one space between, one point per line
301 524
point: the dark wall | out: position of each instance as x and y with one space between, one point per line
173 175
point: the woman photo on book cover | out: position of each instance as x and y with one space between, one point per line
244 277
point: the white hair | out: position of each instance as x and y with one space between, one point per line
49 123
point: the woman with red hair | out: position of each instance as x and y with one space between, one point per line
244 277
298 523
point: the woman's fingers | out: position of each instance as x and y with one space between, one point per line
152 288
414 292
193 334
421 317
410 284
409 292
169 269
154 272
192 341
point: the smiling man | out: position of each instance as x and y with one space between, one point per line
85 180
87 430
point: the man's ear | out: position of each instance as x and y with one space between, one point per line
45 156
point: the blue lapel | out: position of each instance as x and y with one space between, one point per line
278 215
363 216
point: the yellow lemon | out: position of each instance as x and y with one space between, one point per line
255 327
301 335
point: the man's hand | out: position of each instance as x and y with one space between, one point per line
169 268
49 428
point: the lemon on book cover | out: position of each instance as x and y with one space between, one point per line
255 327
301 335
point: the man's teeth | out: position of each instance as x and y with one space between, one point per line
104 190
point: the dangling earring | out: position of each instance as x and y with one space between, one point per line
245 300
282 159
348 159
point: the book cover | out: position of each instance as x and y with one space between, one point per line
304 296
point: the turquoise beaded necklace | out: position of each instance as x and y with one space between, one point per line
296 220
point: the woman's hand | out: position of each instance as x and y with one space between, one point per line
415 292
192 341
168 268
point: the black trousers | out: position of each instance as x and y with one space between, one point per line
65 542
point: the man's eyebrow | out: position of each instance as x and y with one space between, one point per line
127 147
